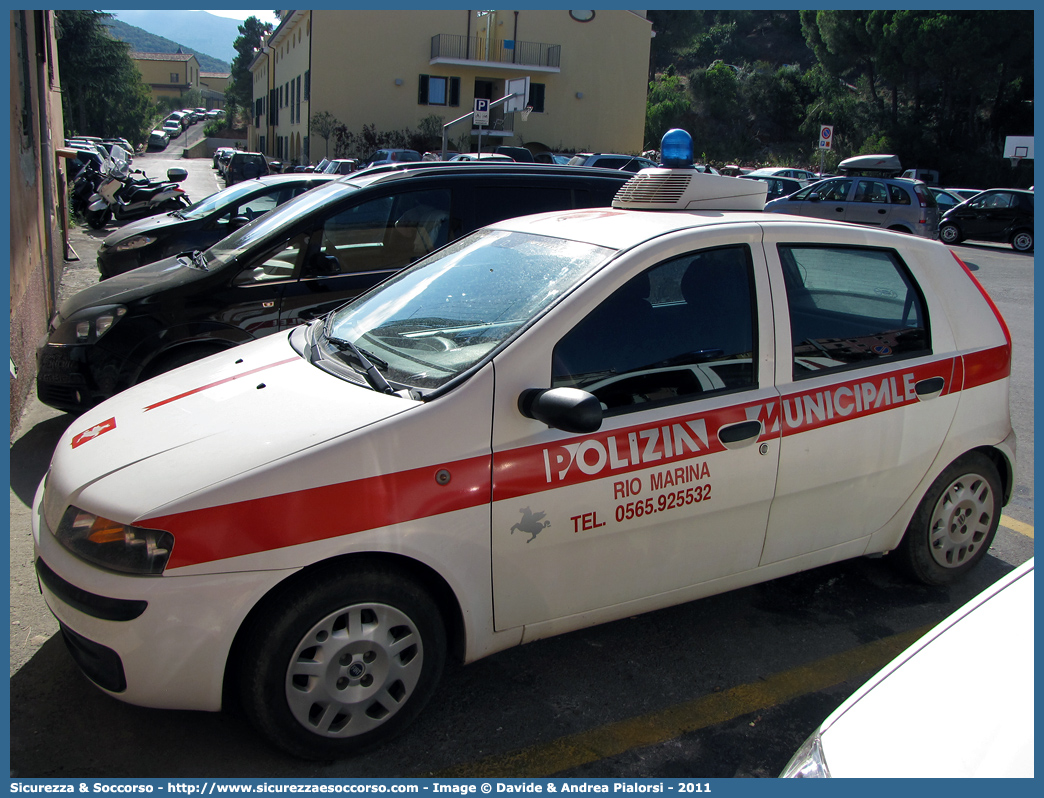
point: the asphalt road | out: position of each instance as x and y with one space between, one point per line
728 686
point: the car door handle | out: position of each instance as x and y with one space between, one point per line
882 210
929 388
736 436
840 210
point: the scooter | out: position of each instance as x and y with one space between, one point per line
122 197
85 185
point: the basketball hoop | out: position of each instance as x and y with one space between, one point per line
526 112
1015 161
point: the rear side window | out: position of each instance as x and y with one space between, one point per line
898 194
851 307
493 203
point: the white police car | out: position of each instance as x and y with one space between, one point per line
556 421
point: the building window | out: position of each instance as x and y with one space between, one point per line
298 99
174 77
308 84
437 90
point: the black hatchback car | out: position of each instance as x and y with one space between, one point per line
290 266
997 214
200 225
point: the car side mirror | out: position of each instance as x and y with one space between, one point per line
813 197
567 409
237 221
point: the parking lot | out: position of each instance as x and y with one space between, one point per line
728 686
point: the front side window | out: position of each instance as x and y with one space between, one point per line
851 307
833 190
680 330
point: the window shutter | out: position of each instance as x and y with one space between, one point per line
454 92
422 92
308 84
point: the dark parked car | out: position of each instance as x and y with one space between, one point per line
200 225
777 186
244 166
997 214
292 265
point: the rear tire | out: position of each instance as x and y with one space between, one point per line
1022 241
98 219
955 522
341 662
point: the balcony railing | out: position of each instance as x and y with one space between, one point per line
473 48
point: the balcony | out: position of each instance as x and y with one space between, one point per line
448 48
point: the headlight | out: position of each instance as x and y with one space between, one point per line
87 325
134 242
809 762
112 545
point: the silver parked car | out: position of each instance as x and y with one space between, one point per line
892 203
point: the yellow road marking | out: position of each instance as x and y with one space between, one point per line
612 739
1017 526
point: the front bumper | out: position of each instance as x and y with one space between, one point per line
67 379
160 641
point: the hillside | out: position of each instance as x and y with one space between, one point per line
142 41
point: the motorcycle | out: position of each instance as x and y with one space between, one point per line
121 196
85 185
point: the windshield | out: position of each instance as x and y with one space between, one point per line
269 227
219 200
452 310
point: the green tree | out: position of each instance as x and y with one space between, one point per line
323 123
102 90
668 105
241 84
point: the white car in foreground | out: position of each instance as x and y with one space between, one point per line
556 421
930 712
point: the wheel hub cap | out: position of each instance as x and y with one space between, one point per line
354 670
962 519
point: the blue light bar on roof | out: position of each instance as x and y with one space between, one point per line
676 149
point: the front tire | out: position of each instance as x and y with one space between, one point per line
955 522
341 662
950 234
1022 241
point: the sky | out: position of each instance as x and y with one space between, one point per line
264 16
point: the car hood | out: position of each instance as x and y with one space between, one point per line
881 729
164 222
133 285
179 441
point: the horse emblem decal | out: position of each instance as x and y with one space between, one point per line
531 523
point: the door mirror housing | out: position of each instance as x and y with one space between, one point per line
567 409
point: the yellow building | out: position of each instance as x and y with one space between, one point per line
168 74
588 77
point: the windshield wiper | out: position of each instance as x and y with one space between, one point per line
377 380
200 260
